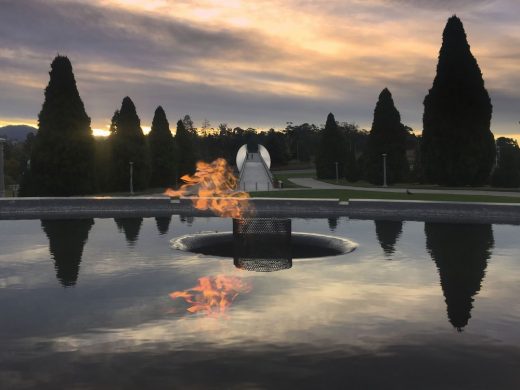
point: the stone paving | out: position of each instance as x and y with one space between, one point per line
457 212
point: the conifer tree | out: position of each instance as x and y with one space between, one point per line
62 157
331 150
185 150
458 146
388 135
162 155
128 145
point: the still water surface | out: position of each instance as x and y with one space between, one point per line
105 303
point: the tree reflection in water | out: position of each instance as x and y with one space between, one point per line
388 232
163 224
130 227
67 239
461 253
333 223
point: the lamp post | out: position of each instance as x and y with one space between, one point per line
337 173
131 177
384 170
2 183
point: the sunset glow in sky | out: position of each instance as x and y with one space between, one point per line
256 63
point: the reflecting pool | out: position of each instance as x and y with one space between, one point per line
104 303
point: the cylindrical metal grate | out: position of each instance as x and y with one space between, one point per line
262 244
261 226
262 265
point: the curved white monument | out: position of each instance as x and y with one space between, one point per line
265 155
241 156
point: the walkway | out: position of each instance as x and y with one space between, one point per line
316 184
255 176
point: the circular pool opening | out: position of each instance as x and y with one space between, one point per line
300 246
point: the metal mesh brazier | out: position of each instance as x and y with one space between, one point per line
262 244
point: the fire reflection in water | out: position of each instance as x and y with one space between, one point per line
214 294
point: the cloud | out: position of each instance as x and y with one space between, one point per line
247 63
439 5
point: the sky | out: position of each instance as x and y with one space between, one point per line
257 63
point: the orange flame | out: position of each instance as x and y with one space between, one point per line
213 187
214 294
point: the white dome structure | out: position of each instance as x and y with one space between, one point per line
241 156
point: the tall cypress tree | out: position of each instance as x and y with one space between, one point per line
388 135
458 146
185 150
331 150
162 155
128 145
62 158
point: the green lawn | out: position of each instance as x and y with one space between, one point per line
284 177
361 183
353 194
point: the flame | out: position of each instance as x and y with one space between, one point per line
213 187
214 294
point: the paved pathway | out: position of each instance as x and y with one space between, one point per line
254 176
316 184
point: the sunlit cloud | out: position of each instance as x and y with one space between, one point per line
247 63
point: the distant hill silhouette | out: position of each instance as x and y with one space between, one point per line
16 132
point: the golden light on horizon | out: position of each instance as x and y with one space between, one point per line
100 133
105 132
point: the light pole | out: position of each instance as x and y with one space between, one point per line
384 170
2 183
337 174
131 177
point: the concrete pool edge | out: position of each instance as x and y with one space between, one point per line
110 207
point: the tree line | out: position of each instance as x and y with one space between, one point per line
456 148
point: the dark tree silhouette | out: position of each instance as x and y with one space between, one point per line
301 140
67 239
275 143
458 146
331 150
507 172
162 151
388 232
163 224
185 150
388 135
461 253
130 227
128 145
62 157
